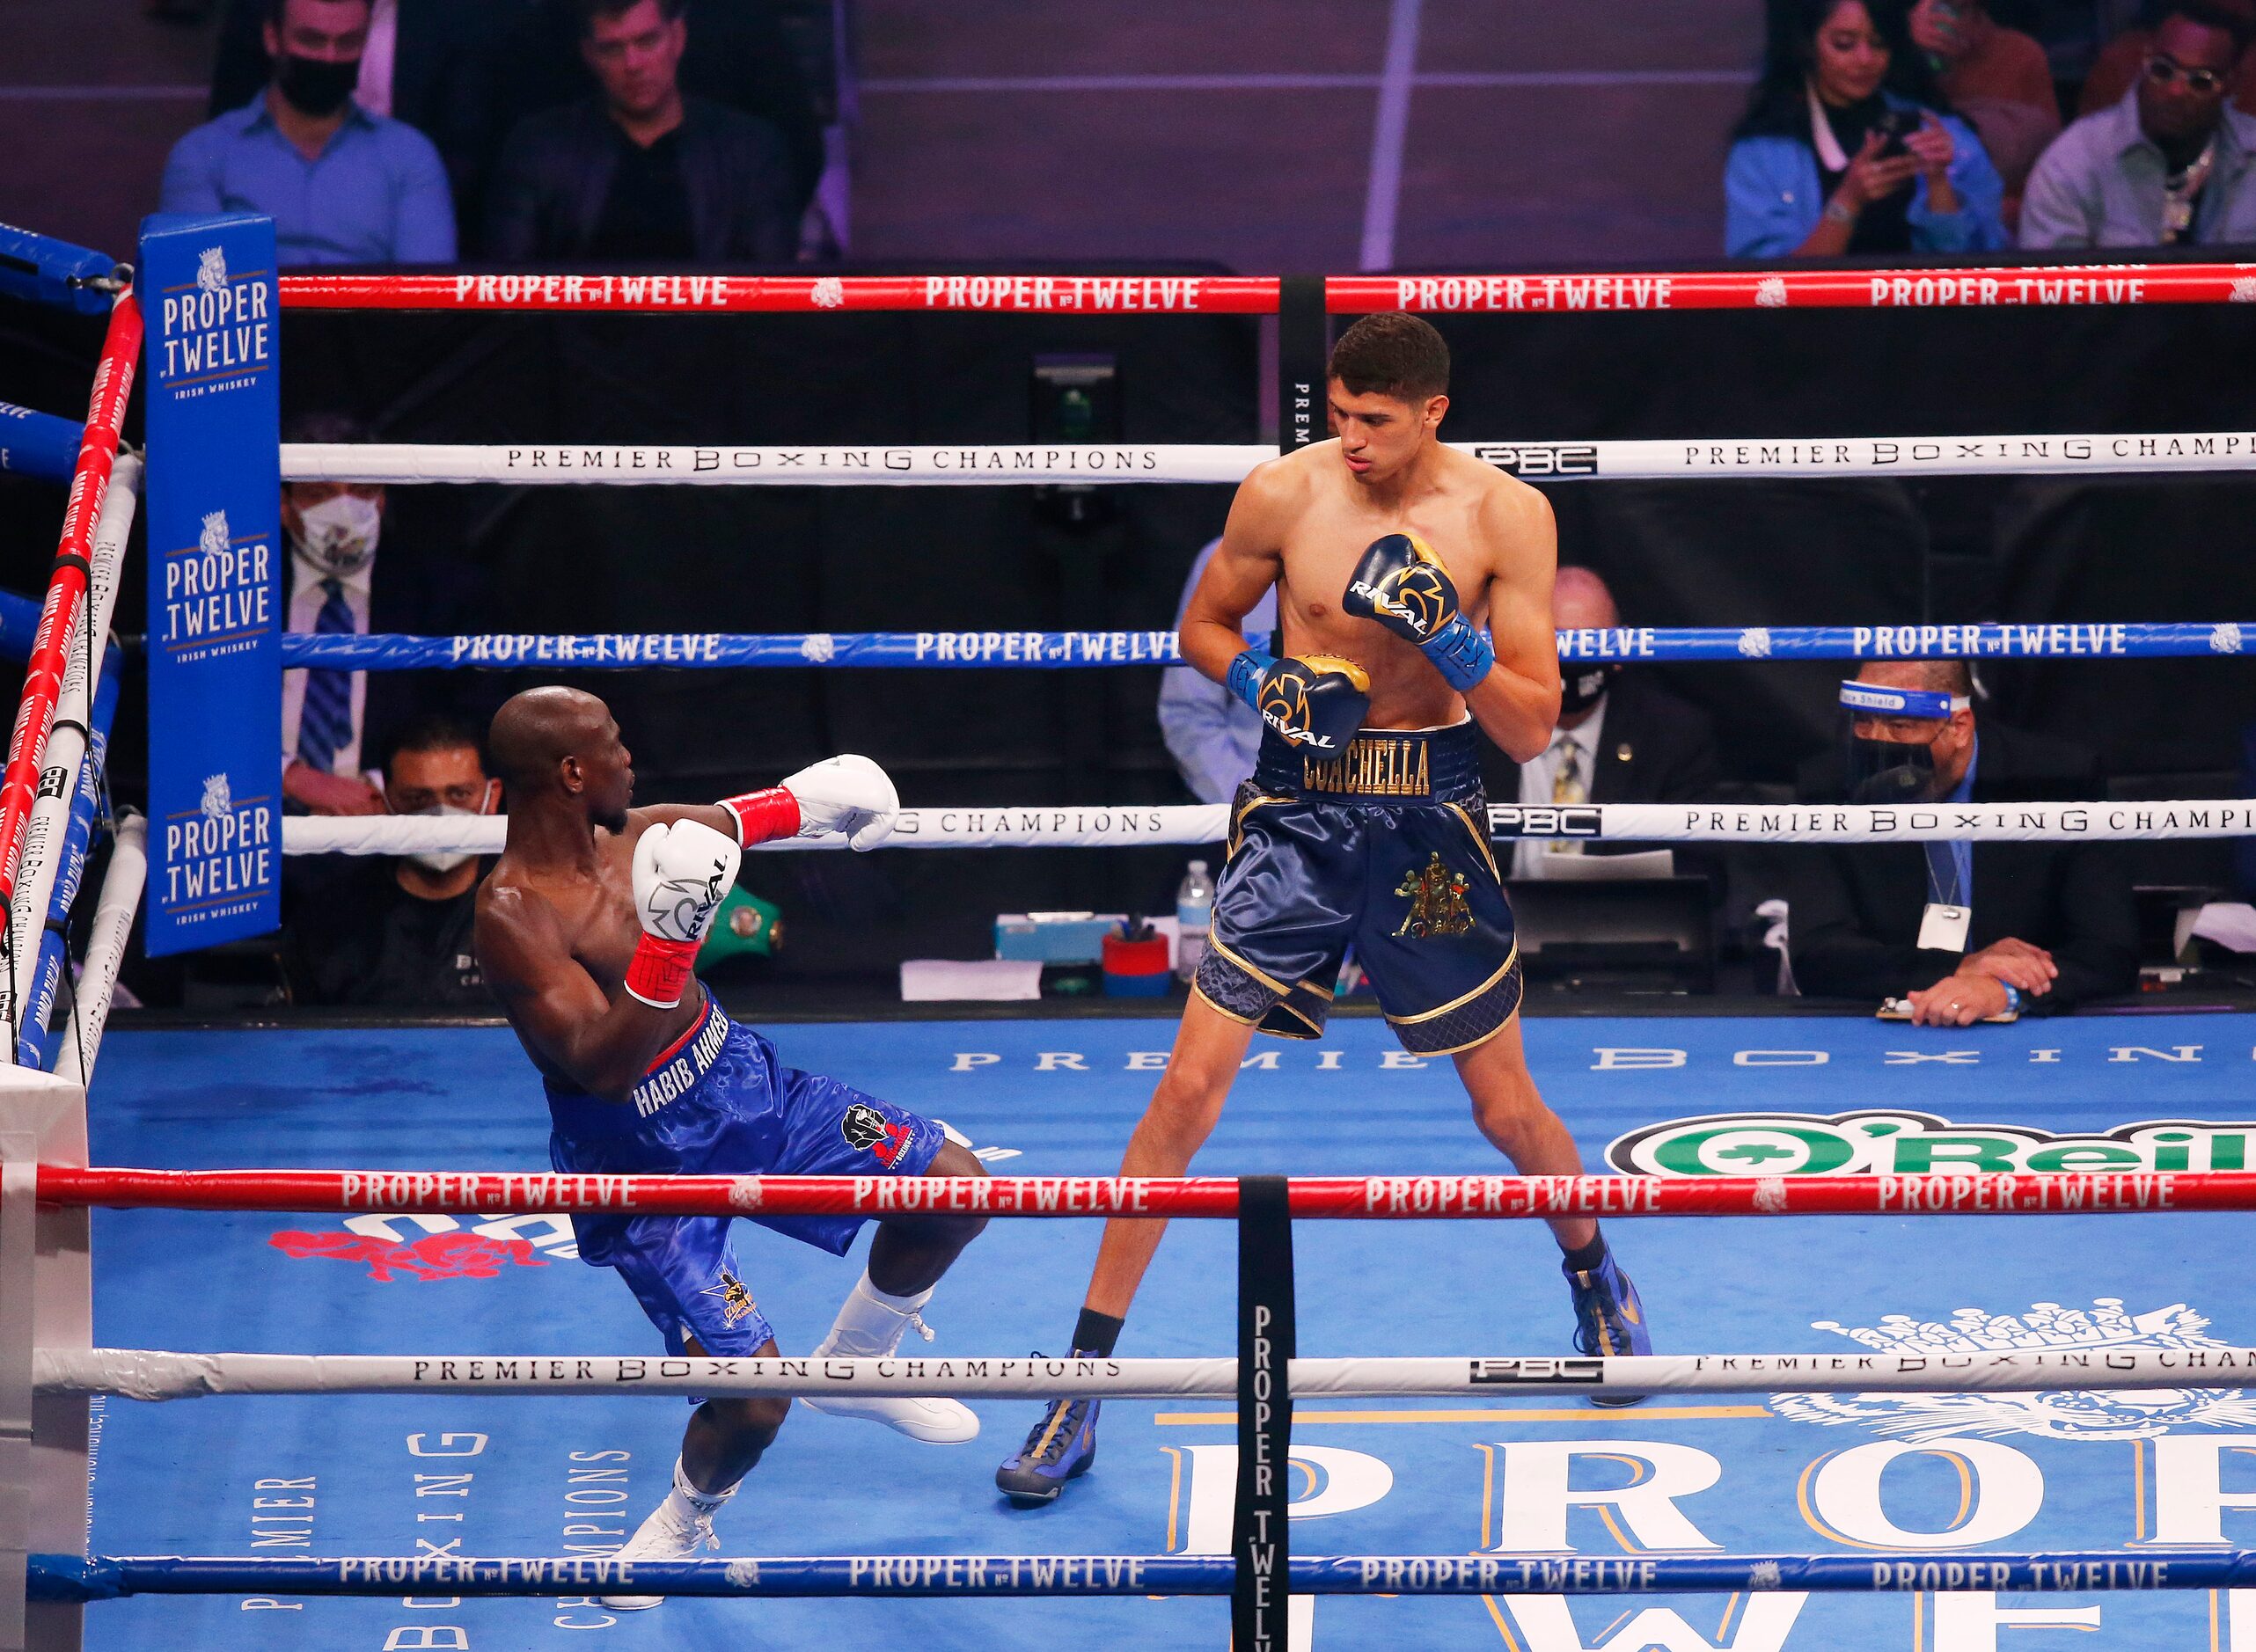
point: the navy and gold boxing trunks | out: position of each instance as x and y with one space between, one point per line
1387 847
719 1103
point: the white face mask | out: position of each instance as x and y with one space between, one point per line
339 535
441 861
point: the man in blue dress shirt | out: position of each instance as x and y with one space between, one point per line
342 185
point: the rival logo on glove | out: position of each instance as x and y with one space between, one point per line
1412 594
680 907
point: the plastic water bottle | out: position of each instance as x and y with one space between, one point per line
1194 915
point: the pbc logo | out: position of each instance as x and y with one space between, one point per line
1544 1372
871 1131
1511 820
1539 458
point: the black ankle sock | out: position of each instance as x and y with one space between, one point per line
1095 1333
1584 1258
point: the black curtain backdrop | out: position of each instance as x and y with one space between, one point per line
1707 553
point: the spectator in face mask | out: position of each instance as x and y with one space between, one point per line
397 931
342 185
333 528
1958 932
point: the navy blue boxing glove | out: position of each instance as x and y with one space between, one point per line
1318 702
1402 584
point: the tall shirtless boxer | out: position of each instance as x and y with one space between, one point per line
588 930
1364 821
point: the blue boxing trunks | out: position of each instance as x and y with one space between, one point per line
1385 846
718 1103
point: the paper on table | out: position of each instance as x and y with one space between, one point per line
2231 923
988 980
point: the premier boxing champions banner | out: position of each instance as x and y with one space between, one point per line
215 579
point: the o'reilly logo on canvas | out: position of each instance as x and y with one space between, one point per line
1897 1143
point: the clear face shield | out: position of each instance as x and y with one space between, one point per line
1888 737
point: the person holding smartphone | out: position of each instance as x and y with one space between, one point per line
1843 151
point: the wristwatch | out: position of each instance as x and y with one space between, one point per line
2012 998
1839 214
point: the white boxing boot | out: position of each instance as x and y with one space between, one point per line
676 1531
870 1327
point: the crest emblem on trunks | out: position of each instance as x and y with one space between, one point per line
1438 906
864 1127
736 1300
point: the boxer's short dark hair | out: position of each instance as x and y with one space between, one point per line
1393 355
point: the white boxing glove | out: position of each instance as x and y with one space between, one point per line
847 794
682 874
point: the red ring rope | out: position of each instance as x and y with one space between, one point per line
1942 1193
2037 286
66 590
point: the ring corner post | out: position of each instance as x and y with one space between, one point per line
1267 1336
46 1301
1303 346
213 510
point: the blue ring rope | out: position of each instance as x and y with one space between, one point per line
68 1577
1069 650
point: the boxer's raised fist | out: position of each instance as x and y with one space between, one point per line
1316 703
682 872
847 794
1403 585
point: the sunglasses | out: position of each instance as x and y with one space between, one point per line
2163 71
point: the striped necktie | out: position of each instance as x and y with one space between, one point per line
325 724
1568 787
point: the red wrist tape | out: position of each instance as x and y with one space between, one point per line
660 969
763 815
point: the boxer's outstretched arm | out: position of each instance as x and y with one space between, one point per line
1241 571
666 814
1517 704
602 1045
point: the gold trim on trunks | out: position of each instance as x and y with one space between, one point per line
1200 993
1458 1002
1373 765
1472 1043
1479 839
1269 981
1238 818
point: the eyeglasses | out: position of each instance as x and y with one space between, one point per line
2164 71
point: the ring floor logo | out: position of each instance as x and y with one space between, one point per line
1896 1142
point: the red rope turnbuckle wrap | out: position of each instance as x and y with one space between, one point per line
2037 286
1968 1193
66 590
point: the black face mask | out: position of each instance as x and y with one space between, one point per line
315 85
1580 690
1887 772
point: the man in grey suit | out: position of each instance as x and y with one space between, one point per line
643 174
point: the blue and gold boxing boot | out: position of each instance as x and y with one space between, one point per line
1060 1447
1608 1319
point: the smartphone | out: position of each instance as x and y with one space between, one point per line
1895 125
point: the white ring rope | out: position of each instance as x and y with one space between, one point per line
1020 465
84 653
1000 826
149 1374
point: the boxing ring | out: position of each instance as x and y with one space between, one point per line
1987 1390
